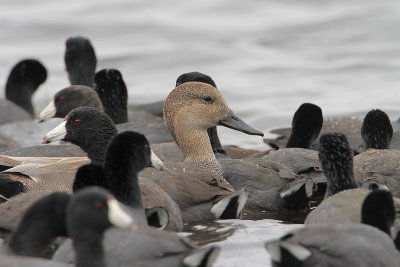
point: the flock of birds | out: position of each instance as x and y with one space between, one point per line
141 173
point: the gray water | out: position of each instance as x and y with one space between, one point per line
267 57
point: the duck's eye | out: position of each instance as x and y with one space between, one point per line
207 98
77 122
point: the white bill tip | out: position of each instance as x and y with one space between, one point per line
48 112
56 134
117 216
156 162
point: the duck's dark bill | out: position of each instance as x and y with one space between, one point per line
234 122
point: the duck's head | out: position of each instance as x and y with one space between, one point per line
199 106
195 76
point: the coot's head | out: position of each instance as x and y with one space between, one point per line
376 130
80 61
336 159
306 126
69 98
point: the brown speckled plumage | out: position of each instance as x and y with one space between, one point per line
188 116
46 174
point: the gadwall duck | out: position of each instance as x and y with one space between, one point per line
212 132
172 152
218 149
329 244
188 109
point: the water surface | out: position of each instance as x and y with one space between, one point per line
267 57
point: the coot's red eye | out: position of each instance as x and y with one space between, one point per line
77 122
59 99
98 205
